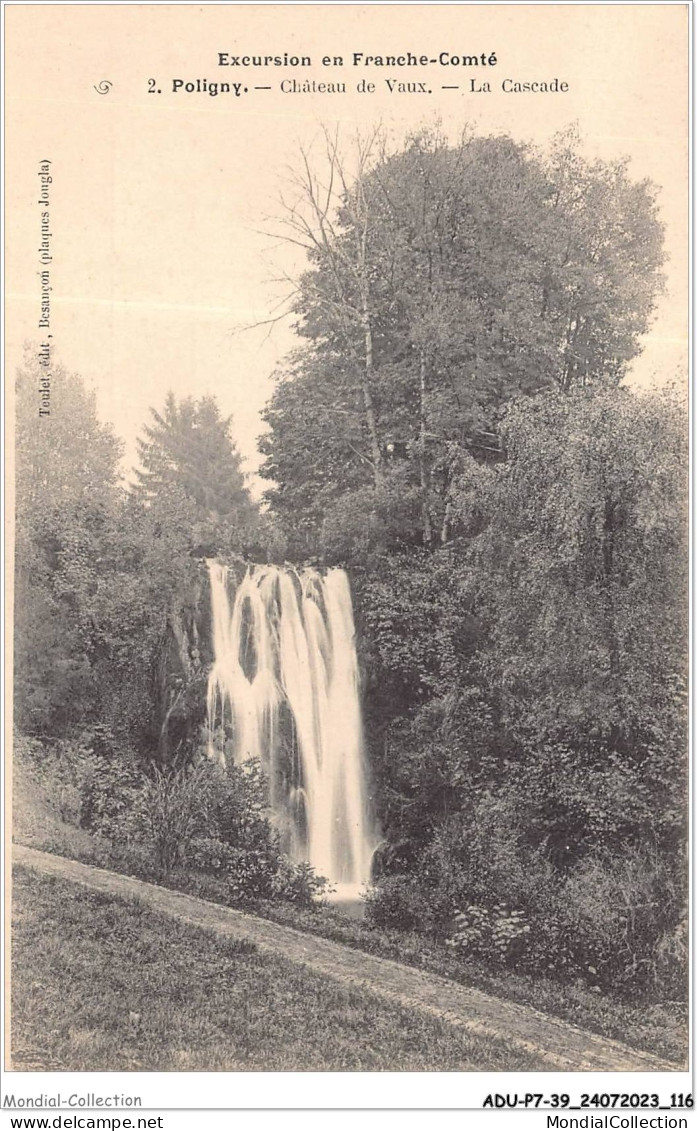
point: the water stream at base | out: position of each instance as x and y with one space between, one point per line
284 686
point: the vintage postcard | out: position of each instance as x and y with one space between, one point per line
347 557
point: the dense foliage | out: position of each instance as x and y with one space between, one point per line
108 578
201 827
452 279
533 730
110 653
514 521
454 430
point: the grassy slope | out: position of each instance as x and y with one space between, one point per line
660 1028
105 984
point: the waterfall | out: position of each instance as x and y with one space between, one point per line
284 686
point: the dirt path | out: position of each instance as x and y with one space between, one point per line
558 1045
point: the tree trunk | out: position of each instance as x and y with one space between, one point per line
613 518
423 478
366 382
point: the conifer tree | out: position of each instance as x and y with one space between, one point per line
188 452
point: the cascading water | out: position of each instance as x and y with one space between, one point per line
284 684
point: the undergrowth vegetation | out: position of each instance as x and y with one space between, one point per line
612 915
455 431
47 790
202 819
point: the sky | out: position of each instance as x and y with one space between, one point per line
163 206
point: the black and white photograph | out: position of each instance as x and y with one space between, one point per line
347 573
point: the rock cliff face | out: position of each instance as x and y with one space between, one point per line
185 659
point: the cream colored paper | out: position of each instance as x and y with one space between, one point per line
161 201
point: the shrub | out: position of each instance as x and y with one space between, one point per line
621 911
496 934
83 783
399 901
108 794
211 819
209 854
609 916
233 805
167 814
203 816
298 883
250 873
216 821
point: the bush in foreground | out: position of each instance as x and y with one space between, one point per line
203 819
